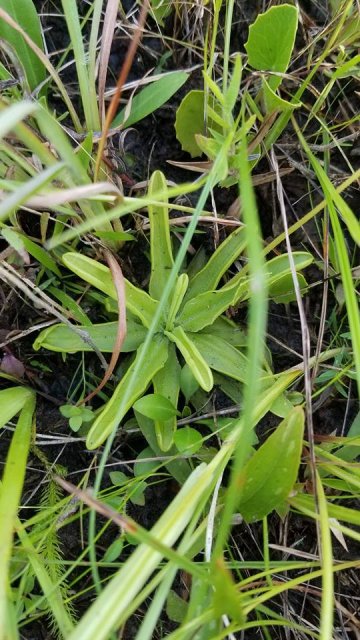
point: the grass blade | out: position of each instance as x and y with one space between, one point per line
10 494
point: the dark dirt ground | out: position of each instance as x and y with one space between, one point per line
151 145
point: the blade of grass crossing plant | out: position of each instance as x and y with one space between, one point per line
86 84
344 210
10 495
37 252
14 114
25 14
109 609
126 393
160 242
327 585
18 197
256 338
333 198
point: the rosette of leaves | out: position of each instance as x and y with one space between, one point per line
193 336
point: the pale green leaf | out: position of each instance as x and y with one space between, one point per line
160 242
61 338
97 274
12 401
167 383
194 359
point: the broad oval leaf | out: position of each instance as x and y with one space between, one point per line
190 121
269 476
146 463
271 41
156 407
188 440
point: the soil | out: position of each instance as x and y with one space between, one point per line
149 147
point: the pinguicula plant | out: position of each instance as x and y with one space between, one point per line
193 329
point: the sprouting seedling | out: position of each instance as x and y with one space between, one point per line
77 415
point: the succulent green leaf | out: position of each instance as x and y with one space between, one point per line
188 440
178 296
282 290
201 311
210 275
10 499
271 41
160 242
61 338
97 274
125 395
194 359
188 382
227 330
156 407
12 401
167 383
179 468
220 355
269 476
151 98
